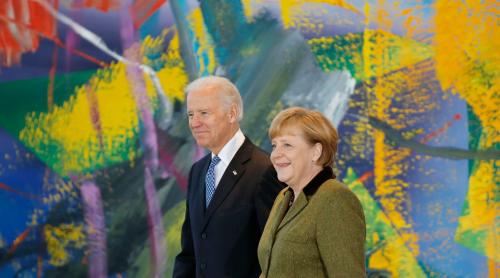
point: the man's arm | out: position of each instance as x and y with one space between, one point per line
185 264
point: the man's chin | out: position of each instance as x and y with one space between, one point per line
201 143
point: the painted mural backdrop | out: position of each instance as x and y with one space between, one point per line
95 148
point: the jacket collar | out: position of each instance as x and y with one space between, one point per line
317 181
287 211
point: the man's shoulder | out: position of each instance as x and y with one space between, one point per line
200 162
257 154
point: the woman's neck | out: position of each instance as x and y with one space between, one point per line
298 188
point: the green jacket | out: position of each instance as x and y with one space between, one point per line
322 234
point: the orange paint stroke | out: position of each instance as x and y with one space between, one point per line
20 193
365 176
493 269
58 42
19 240
79 53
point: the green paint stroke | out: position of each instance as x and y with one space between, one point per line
22 97
346 52
381 236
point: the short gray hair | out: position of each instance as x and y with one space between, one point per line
227 90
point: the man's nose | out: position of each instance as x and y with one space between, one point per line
195 121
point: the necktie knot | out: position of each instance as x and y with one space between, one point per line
210 180
215 160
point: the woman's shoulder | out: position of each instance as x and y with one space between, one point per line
333 190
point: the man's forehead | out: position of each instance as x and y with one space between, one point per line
197 104
209 90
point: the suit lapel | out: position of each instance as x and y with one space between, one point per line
198 202
294 210
233 173
276 219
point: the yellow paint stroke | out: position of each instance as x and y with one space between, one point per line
479 226
468 64
293 14
65 137
402 51
393 255
205 43
61 238
172 76
247 9
60 190
467 58
391 163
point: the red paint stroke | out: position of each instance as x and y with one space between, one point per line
79 53
141 10
19 240
167 160
441 130
58 42
39 264
52 76
102 5
365 176
16 39
20 193
41 252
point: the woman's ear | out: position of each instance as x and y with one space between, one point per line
317 151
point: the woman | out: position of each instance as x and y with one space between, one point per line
316 227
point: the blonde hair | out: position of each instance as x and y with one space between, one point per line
315 128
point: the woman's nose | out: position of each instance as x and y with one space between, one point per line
276 152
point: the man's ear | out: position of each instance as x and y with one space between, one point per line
233 113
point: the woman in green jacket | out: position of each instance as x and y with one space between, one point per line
316 227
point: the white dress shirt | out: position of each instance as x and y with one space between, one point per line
227 153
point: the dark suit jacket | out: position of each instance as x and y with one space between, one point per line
221 241
321 235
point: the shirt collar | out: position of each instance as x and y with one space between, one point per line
227 152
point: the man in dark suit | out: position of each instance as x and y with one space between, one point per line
230 192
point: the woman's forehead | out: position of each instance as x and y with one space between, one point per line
289 129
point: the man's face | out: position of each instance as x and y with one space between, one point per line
211 123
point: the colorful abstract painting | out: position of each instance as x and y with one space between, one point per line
95 149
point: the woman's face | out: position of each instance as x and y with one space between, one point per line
294 158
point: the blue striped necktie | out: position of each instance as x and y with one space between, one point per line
210 180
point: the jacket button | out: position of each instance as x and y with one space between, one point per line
203 266
203 235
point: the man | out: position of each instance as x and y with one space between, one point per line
230 191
